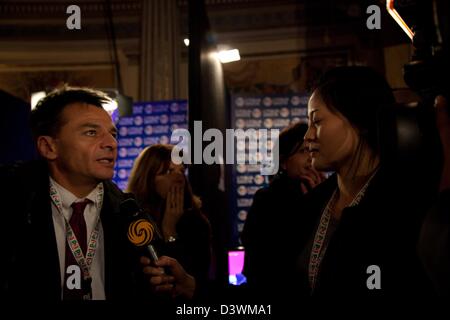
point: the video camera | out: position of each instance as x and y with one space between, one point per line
408 135
428 72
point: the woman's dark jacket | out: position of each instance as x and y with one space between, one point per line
382 230
272 230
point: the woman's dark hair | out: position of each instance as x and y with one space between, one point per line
142 179
358 93
291 139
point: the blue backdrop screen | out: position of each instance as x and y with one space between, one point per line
258 112
151 123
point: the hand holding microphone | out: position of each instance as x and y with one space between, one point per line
166 275
178 283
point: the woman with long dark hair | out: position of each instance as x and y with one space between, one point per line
160 186
364 218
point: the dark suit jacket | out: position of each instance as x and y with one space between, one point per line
273 230
29 256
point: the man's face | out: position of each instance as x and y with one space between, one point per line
85 146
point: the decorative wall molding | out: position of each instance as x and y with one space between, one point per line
218 3
48 53
90 31
48 9
21 20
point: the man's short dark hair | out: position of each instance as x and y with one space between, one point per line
45 119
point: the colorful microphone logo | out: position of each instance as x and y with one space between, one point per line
140 232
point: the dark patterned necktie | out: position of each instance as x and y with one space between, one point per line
78 225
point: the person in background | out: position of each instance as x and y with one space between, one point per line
161 188
434 244
365 229
276 218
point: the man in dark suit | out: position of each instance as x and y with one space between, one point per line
63 235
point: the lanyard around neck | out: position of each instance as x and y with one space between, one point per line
319 245
83 261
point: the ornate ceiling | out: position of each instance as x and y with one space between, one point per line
45 20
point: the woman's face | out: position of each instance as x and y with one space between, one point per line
332 140
164 180
298 164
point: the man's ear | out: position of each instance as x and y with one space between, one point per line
47 147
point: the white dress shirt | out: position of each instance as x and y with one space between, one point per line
91 213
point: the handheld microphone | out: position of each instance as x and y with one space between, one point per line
142 232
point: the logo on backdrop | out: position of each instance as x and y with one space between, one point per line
260 150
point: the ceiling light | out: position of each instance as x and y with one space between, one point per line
35 97
110 106
226 56
394 14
